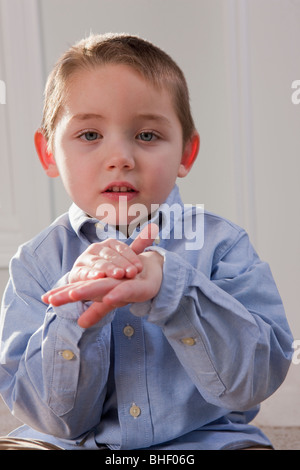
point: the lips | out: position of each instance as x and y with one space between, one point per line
120 188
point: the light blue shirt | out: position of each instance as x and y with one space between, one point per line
186 370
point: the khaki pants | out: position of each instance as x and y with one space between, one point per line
15 443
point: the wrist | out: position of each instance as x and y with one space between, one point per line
155 256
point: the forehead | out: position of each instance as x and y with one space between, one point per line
115 85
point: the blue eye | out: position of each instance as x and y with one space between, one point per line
91 135
146 136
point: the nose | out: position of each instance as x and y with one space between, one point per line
120 156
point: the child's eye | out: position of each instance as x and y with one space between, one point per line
147 136
90 136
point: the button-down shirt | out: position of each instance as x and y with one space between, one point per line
184 370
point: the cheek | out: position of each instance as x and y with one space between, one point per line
73 175
161 181
166 169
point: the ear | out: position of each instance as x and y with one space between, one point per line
46 157
189 155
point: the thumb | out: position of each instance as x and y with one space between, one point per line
145 238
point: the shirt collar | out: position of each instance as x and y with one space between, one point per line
91 230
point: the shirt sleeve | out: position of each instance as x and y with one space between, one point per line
228 328
50 368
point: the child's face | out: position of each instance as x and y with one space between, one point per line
118 135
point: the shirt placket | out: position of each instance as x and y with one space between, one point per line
131 380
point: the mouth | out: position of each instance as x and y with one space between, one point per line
117 189
120 189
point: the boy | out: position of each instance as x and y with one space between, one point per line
115 333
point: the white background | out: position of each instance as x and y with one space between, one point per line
240 58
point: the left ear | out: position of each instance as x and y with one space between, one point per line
189 155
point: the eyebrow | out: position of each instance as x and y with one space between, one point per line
147 117
86 116
154 117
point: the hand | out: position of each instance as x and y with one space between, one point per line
109 293
89 268
113 258
116 256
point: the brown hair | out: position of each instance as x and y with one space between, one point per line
153 63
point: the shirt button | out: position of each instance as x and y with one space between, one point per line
67 354
188 341
135 410
128 331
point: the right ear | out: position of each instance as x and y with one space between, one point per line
46 158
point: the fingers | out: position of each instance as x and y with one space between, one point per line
60 296
80 291
110 258
121 254
145 238
113 258
119 260
93 290
45 297
81 273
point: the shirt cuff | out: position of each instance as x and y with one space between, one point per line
174 281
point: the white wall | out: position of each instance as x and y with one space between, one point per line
240 58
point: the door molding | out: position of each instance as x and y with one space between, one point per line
25 191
